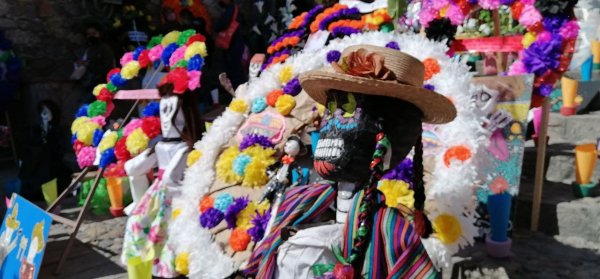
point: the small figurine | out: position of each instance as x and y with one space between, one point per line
278 183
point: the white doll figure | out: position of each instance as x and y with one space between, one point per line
8 239
146 238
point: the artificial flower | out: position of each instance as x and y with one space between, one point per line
255 174
127 57
151 126
447 228
130 70
285 104
252 139
185 36
111 87
105 96
196 48
459 153
234 209
86 157
180 80
286 74
82 111
85 132
97 108
570 30
152 109
238 105
167 52
362 63
107 157
121 150
78 122
223 201
240 163
115 169
108 141
144 59
194 79
182 264
195 63
529 16
259 104
136 142
206 203
193 157
155 53
528 39
245 216
396 193
100 120
259 224
131 126
292 87
211 218
393 45
97 137
432 67
110 74
170 38
239 240
224 166
137 51
98 88
154 41
177 56
196 38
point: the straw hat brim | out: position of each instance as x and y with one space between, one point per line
436 108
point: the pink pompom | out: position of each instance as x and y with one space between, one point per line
155 52
570 30
132 125
517 68
127 57
426 16
177 55
439 4
86 156
194 79
100 120
530 16
544 37
528 2
489 4
455 14
109 108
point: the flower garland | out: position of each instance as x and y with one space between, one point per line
548 44
449 189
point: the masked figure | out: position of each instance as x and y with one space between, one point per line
375 108
146 240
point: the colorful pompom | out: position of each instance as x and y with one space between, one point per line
195 48
293 87
151 126
195 63
432 67
97 108
177 56
108 141
211 218
127 57
238 105
97 89
118 80
170 38
333 56
396 193
82 111
152 109
121 150
167 52
182 264
85 132
97 137
259 104
156 40
130 70
273 96
185 36
286 74
239 240
206 203
194 79
240 163
223 201
193 157
137 142
131 126
225 163
111 73
86 156
285 104
107 157
232 211
155 53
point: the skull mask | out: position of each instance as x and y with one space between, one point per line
171 117
348 130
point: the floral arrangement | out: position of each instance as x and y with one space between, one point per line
248 163
548 44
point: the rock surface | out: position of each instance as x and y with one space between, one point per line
580 218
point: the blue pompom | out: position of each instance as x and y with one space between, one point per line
107 157
97 137
259 105
73 138
240 163
195 63
223 201
167 52
82 111
152 109
137 52
117 80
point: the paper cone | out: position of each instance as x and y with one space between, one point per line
115 192
596 52
537 120
569 92
139 270
499 212
585 162
49 189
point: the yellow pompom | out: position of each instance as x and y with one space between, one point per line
193 157
396 193
238 105
194 49
77 123
447 228
286 74
182 263
176 212
245 216
108 140
256 171
285 104
136 142
225 166
528 39
131 70
85 132
98 88
171 37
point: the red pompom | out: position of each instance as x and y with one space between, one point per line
151 126
105 95
195 38
78 145
179 78
121 150
516 9
536 28
144 59
111 73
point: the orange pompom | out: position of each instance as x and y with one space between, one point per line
273 96
432 67
239 240
459 152
206 203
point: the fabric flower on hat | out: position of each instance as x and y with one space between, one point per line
86 157
285 104
177 56
136 142
130 70
170 38
194 79
127 57
179 78
195 48
362 63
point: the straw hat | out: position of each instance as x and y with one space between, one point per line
373 70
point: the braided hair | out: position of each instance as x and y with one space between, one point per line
421 222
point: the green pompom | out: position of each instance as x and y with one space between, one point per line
387 27
111 87
185 36
154 41
96 108
181 63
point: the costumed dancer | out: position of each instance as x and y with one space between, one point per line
375 107
146 241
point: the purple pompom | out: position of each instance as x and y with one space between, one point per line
211 218
429 87
333 56
393 45
259 225
403 171
251 139
292 87
234 209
